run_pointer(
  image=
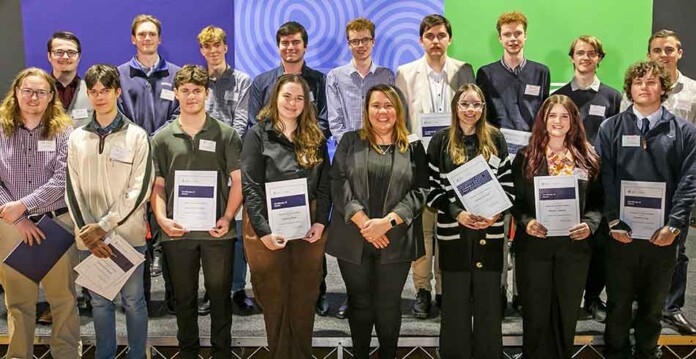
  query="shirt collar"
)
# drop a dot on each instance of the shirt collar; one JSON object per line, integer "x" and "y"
{"x": 433, "y": 74}
{"x": 75, "y": 81}
{"x": 653, "y": 117}
{"x": 594, "y": 86}
{"x": 352, "y": 69}
{"x": 227, "y": 72}
{"x": 177, "y": 130}
{"x": 517, "y": 69}
{"x": 280, "y": 71}
{"x": 115, "y": 124}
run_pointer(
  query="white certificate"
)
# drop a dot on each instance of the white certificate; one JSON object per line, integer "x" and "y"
{"x": 556, "y": 202}
{"x": 643, "y": 207}
{"x": 431, "y": 123}
{"x": 195, "y": 199}
{"x": 515, "y": 140}
{"x": 478, "y": 189}
{"x": 288, "y": 208}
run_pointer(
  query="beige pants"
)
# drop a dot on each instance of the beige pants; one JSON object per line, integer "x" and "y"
{"x": 22, "y": 293}
{"x": 422, "y": 268}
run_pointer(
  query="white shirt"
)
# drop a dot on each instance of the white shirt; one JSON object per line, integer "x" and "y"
{"x": 439, "y": 90}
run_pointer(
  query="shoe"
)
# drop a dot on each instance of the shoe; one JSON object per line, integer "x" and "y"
{"x": 156, "y": 265}
{"x": 342, "y": 312}
{"x": 597, "y": 310}
{"x": 245, "y": 304}
{"x": 679, "y": 322}
{"x": 322, "y": 308}
{"x": 517, "y": 304}
{"x": 204, "y": 307}
{"x": 421, "y": 308}
{"x": 45, "y": 317}
{"x": 170, "y": 307}
{"x": 438, "y": 301}
{"x": 503, "y": 302}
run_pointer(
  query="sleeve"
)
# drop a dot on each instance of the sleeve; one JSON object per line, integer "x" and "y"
{"x": 241, "y": 113}
{"x": 73, "y": 193}
{"x": 504, "y": 173}
{"x": 391, "y": 80}
{"x": 625, "y": 103}
{"x": 321, "y": 107}
{"x": 685, "y": 194}
{"x": 438, "y": 197}
{"x": 5, "y": 195}
{"x": 174, "y": 112}
{"x": 336, "y": 115}
{"x": 346, "y": 204}
{"x": 482, "y": 82}
{"x": 607, "y": 158}
{"x": 233, "y": 150}
{"x": 255, "y": 101}
{"x": 324, "y": 189}
{"x": 412, "y": 204}
{"x": 54, "y": 189}
{"x": 253, "y": 182}
{"x": 593, "y": 203}
{"x": 159, "y": 157}
{"x": 519, "y": 206}
{"x": 546, "y": 83}
{"x": 469, "y": 77}
{"x": 400, "y": 81}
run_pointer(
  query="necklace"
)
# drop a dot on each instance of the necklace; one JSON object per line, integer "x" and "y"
{"x": 383, "y": 151}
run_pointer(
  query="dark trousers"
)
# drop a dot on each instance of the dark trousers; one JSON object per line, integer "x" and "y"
{"x": 184, "y": 259}
{"x": 677, "y": 290}
{"x": 638, "y": 270}
{"x": 551, "y": 274}
{"x": 597, "y": 273}
{"x": 374, "y": 300}
{"x": 467, "y": 295}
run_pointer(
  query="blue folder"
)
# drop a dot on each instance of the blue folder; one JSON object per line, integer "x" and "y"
{"x": 34, "y": 262}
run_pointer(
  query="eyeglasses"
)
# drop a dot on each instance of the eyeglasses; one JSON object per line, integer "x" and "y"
{"x": 477, "y": 106}
{"x": 29, "y": 93}
{"x": 102, "y": 92}
{"x": 358, "y": 42}
{"x": 60, "y": 53}
{"x": 590, "y": 54}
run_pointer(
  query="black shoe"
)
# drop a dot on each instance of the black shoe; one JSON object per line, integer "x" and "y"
{"x": 156, "y": 266}
{"x": 438, "y": 301}
{"x": 679, "y": 322}
{"x": 516, "y": 304}
{"x": 170, "y": 307}
{"x": 421, "y": 308}
{"x": 597, "y": 310}
{"x": 322, "y": 308}
{"x": 245, "y": 304}
{"x": 45, "y": 318}
{"x": 204, "y": 307}
{"x": 503, "y": 302}
{"x": 342, "y": 312}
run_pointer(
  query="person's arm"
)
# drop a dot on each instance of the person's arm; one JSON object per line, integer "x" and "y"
{"x": 607, "y": 159}
{"x": 546, "y": 84}
{"x": 519, "y": 208}
{"x": 334, "y": 106}
{"x": 346, "y": 204}
{"x": 438, "y": 198}
{"x": 234, "y": 198}
{"x": 253, "y": 183}
{"x": 324, "y": 190}
{"x": 74, "y": 198}
{"x": 255, "y": 101}
{"x": 241, "y": 112}
{"x": 593, "y": 203}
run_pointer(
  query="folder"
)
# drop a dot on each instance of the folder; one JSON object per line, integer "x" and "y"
{"x": 34, "y": 262}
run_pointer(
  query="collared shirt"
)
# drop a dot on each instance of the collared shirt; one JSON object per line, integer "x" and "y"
{"x": 345, "y": 95}
{"x": 652, "y": 118}
{"x": 681, "y": 100}
{"x": 103, "y": 131}
{"x": 66, "y": 93}
{"x": 32, "y": 169}
{"x": 574, "y": 85}
{"x": 147, "y": 70}
{"x": 439, "y": 91}
{"x": 228, "y": 100}
{"x": 517, "y": 69}
{"x": 560, "y": 164}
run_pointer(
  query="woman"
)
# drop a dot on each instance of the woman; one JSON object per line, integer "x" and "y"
{"x": 285, "y": 274}
{"x": 471, "y": 246}
{"x": 379, "y": 183}
{"x": 552, "y": 270}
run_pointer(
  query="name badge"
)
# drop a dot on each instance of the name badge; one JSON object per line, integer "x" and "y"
{"x": 412, "y": 138}
{"x": 167, "y": 95}
{"x": 47, "y": 146}
{"x": 120, "y": 154}
{"x": 630, "y": 141}
{"x": 684, "y": 105}
{"x": 532, "y": 90}
{"x": 231, "y": 95}
{"x": 79, "y": 113}
{"x": 311, "y": 96}
{"x": 205, "y": 145}
{"x": 597, "y": 110}
{"x": 580, "y": 173}
{"x": 494, "y": 161}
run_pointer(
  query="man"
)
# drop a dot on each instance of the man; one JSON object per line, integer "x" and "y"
{"x": 515, "y": 87}
{"x": 64, "y": 53}
{"x": 195, "y": 142}
{"x": 645, "y": 143}
{"x": 596, "y": 101}
{"x": 228, "y": 102}
{"x": 34, "y": 132}
{"x": 108, "y": 158}
{"x": 291, "y": 38}
{"x": 347, "y": 85}
{"x": 428, "y": 85}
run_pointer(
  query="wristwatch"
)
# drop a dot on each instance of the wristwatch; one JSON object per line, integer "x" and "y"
{"x": 392, "y": 221}
{"x": 676, "y": 231}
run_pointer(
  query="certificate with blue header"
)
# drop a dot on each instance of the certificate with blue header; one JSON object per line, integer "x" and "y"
{"x": 195, "y": 199}
{"x": 643, "y": 207}
{"x": 431, "y": 123}
{"x": 288, "y": 208}
{"x": 515, "y": 140}
{"x": 556, "y": 202}
{"x": 478, "y": 189}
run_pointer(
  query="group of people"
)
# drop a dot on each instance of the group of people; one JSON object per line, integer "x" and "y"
{"x": 100, "y": 156}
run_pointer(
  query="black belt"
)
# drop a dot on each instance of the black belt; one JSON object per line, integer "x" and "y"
{"x": 51, "y": 214}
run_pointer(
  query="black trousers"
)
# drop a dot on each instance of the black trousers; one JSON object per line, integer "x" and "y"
{"x": 184, "y": 259}
{"x": 470, "y": 295}
{"x": 637, "y": 270}
{"x": 374, "y": 300}
{"x": 677, "y": 290}
{"x": 551, "y": 274}
{"x": 597, "y": 273}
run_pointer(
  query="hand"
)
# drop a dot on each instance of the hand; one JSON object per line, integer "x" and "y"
{"x": 30, "y": 232}
{"x": 375, "y": 228}
{"x": 534, "y": 228}
{"x": 314, "y": 233}
{"x": 91, "y": 233}
{"x": 171, "y": 228}
{"x": 100, "y": 249}
{"x": 274, "y": 242}
{"x": 621, "y": 236}
{"x": 222, "y": 226}
{"x": 662, "y": 237}
{"x": 380, "y": 242}
{"x": 469, "y": 220}
{"x": 580, "y": 231}
{"x": 11, "y": 211}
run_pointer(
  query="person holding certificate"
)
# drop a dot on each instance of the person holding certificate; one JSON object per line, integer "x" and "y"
{"x": 285, "y": 148}
{"x": 379, "y": 182}
{"x": 553, "y": 254}
{"x": 471, "y": 245}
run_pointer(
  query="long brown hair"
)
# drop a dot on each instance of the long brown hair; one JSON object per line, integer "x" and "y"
{"x": 54, "y": 119}
{"x": 307, "y": 137}
{"x": 456, "y": 148}
{"x": 575, "y": 140}
{"x": 400, "y": 134}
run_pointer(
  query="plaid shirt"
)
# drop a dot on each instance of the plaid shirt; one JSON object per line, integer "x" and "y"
{"x": 32, "y": 169}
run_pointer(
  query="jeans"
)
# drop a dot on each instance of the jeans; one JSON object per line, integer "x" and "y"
{"x": 239, "y": 270}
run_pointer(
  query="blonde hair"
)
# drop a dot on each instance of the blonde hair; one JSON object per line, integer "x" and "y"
{"x": 400, "y": 135}
{"x": 211, "y": 34}
{"x": 54, "y": 118}
{"x": 486, "y": 146}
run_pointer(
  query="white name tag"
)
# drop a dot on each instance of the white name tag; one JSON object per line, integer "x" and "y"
{"x": 494, "y": 161}
{"x": 684, "y": 105}
{"x": 630, "y": 141}
{"x": 597, "y": 110}
{"x": 47, "y": 146}
{"x": 231, "y": 95}
{"x": 412, "y": 138}
{"x": 79, "y": 113}
{"x": 167, "y": 95}
{"x": 532, "y": 90}
{"x": 120, "y": 154}
{"x": 205, "y": 145}
{"x": 311, "y": 96}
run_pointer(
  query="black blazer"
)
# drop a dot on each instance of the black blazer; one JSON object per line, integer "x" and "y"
{"x": 523, "y": 209}
{"x": 406, "y": 193}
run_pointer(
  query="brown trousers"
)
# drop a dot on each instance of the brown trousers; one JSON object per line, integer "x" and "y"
{"x": 286, "y": 285}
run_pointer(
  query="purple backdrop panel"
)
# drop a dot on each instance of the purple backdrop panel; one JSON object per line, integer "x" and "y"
{"x": 103, "y": 28}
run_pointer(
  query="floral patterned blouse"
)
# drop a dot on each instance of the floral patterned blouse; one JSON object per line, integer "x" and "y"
{"x": 559, "y": 163}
